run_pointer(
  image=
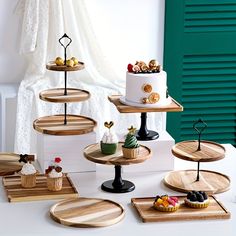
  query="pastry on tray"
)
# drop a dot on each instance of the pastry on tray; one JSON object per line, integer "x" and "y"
{"x": 197, "y": 199}
{"x": 130, "y": 148}
{"x": 109, "y": 140}
{"x": 28, "y": 175}
{"x": 54, "y": 175}
{"x": 166, "y": 203}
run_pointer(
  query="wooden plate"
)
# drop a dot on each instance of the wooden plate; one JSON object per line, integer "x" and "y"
{"x": 52, "y": 66}
{"x": 57, "y": 95}
{"x": 9, "y": 163}
{"x": 93, "y": 153}
{"x": 54, "y": 125}
{"x": 209, "y": 181}
{"x": 144, "y": 207}
{"x": 87, "y": 212}
{"x": 210, "y": 151}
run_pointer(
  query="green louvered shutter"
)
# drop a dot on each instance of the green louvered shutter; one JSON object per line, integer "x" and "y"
{"x": 200, "y": 60}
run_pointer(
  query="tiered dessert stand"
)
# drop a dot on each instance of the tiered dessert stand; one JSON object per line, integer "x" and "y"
{"x": 64, "y": 124}
{"x": 199, "y": 180}
{"x": 143, "y": 133}
{"x": 118, "y": 185}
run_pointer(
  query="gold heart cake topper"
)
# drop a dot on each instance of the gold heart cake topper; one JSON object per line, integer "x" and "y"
{"x": 108, "y": 125}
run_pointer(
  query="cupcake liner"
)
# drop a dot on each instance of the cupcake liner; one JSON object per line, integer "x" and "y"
{"x": 197, "y": 205}
{"x": 54, "y": 184}
{"x": 166, "y": 209}
{"x": 130, "y": 153}
{"x": 28, "y": 181}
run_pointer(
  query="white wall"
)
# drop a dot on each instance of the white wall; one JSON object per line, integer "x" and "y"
{"x": 128, "y": 30}
{"x": 12, "y": 65}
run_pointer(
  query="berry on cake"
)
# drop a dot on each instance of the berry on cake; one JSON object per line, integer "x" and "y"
{"x": 109, "y": 140}
{"x": 131, "y": 147}
{"x": 166, "y": 203}
{"x": 54, "y": 175}
{"x": 197, "y": 199}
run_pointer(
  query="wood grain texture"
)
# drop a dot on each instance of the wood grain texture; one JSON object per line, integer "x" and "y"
{"x": 93, "y": 153}
{"x": 54, "y": 125}
{"x": 9, "y": 163}
{"x": 52, "y": 66}
{"x": 173, "y": 107}
{"x": 209, "y": 181}
{"x": 87, "y": 212}
{"x": 16, "y": 193}
{"x": 187, "y": 150}
{"x": 57, "y": 95}
{"x": 144, "y": 207}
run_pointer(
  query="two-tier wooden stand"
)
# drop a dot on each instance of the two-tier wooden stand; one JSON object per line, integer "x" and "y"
{"x": 118, "y": 185}
{"x": 143, "y": 133}
{"x": 64, "y": 124}
{"x": 199, "y": 180}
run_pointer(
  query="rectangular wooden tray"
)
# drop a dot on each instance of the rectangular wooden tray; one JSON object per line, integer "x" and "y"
{"x": 16, "y": 193}
{"x": 144, "y": 207}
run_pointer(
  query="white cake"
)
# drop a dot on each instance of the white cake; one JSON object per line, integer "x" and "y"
{"x": 146, "y": 89}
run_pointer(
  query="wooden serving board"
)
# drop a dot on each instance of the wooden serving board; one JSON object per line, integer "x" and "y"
{"x": 93, "y": 153}
{"x": 87, "y": 212}
{"x": 57, "y": 95}
{"x": 52, "y": 66}
{"x": 54, "y": 125}
{"x": 144, "y": 207}
{"x": 187, "y": 150}
{"x": 16, "y": 193}
{"x": 122, "y": 108}
{"x": 209, "y": 181}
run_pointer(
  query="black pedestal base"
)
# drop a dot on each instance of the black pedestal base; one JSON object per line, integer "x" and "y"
{"x": 126, "y": 187}
{"x": 151, "y": 135}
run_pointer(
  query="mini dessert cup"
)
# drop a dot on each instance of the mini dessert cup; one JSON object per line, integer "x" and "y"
{"x": 28, "y": 181}
{"x": 130, "y": 153}
{"x": 197, "y": 205}
{"x": 108, "y": 148}
{"x": 54, "y": 184}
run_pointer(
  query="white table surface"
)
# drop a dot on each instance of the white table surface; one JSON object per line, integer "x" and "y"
{"x": 32, "y": 218}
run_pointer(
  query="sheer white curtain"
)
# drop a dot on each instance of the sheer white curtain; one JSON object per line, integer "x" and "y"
{"x": 44, "y": 22}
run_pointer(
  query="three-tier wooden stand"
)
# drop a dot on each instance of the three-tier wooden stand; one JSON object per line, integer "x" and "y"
{"x": 198, "y": 180}
{"x": 64, "y": 124}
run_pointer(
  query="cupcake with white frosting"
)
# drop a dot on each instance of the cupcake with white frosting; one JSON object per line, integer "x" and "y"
{"x": 109, "y": 140}
{"x": 28, "y": 175}
{"x": 54, "y": 175}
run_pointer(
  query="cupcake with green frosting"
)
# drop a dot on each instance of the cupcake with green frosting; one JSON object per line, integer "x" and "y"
{"x": 131, "y": 147}
{"x": 109, "y": 140}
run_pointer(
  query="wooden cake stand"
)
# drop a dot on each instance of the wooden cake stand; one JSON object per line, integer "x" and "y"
{"x": 143, "y": 133}
{"x": 64, "y": 124}
{"x": 199, "y": 180}
{"x": 118, "y": 185}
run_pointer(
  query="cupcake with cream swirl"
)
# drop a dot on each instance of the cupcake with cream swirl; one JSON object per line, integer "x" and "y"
{"x": 109, "y": 140}
{"x": 54, "y": 175}
{"x": 28, "y": 175}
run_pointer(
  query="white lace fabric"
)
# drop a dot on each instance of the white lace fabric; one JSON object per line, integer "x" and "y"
{"x": 44, "y": 22}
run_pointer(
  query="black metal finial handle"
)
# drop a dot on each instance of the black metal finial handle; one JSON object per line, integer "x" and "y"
{"x": 65, "y": 45}
{"x": 199, "y": 130}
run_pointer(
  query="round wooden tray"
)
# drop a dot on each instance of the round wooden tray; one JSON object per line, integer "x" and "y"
{"x": 187, "y": 150}
{"x": 9, "y": 163}
{"x": 52, "y": 66}
{"x": 93, "y": 153}
{"x": 54, "y": 125}
{"x": 57, "y": 95}
{"x": 209, "y": 181}
{"x": 87, "y": 212}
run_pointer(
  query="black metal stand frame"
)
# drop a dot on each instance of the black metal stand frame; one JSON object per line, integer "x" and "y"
{"x": 118, "y": 185}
